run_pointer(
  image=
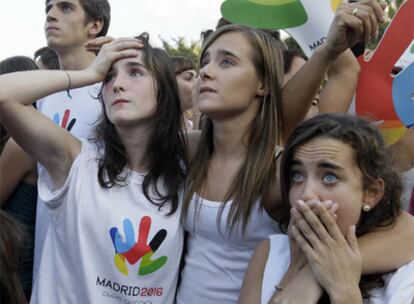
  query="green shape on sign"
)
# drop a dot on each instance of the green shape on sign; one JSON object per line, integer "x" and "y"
{"x": 412, "y": 48}
{"x": 265, "y": 14}
{"x": 272, "y": 2}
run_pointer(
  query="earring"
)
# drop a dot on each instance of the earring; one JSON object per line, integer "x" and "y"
{"x": 366, "y": 207}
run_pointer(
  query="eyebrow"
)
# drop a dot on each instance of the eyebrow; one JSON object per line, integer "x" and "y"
{"x": 49, "y": 6}
{"x": 222, "y": 53}
{"x": 136, "y": 64}
{"x": 130, "y": 64}
{"x": 323, "y": 165}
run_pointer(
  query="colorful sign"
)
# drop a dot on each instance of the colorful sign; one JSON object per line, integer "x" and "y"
{"x": 307, "y": 21}
{"x": 380, "y": 95}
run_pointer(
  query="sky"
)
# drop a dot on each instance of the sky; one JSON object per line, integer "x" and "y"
{"x": 21, "y": 22}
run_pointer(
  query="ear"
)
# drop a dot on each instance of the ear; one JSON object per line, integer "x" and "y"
{"x": 94, "y": 27}
{"x": 374, "y": 193}
{"x": 262, "y": 90}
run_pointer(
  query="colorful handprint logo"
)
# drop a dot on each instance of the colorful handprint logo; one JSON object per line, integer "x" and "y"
{"x": 65, "y": 119}
{"x": 127, "y": 250}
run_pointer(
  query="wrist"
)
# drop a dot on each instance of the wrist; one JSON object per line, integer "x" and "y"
{"x": 92, "y": 76}
{"x": 346, "y": 296}
{"x": 327, "y": 53}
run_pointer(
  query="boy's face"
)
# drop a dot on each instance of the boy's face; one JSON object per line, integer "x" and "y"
{"x": 65, "y": 25}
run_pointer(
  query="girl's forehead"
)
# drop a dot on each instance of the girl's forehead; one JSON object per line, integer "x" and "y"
{"x": 130, "y": 61}
{"x": 326, "y": 149}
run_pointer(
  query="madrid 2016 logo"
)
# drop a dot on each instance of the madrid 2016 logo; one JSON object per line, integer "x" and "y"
{"x": 127, "y": 250}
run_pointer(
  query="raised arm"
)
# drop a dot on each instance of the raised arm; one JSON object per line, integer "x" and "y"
{"x": 346, "y": 30}
{"x": 336, "y": 96}
{"x": 48, "y": 144}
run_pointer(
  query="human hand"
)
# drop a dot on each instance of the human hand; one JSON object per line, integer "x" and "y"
{"x": 335, "y": 261}
{"x": 95, "y": 45}
{"x": 111, "y": 52}
{"x": 354, "y": 22}
{"x": 298, "y": 258}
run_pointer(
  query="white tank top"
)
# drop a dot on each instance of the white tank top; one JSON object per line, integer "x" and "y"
{"x": 215, "y": 262}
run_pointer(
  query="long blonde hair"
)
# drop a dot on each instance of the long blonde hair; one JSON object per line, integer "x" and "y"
{"x": 259, "y": 169}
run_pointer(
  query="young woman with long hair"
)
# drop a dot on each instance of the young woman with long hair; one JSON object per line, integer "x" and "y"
{"x": 338, "y": 158}
{"x": 101, "y": 195}
{"x": 233, "y": 200}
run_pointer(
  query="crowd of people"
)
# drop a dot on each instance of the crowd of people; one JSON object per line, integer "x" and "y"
{"x": 129, "y": 176}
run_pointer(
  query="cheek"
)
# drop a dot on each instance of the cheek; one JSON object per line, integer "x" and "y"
{"x": 293, "y": 194}
{"x": 348, "y": 214}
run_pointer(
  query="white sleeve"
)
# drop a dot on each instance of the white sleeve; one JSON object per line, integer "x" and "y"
{"x": 53, "y": 198}
{"x": 398, "y": 289}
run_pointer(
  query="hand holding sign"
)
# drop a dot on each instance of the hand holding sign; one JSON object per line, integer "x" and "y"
{"x": 307, "y": 21}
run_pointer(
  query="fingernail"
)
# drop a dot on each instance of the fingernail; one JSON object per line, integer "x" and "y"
{"x": 376, "y": 34}
{"x": 294, "y": 212}
{"x": 293, "y": 228}
{"x": 328, "y": 203}
{"x": 301, "y": 204}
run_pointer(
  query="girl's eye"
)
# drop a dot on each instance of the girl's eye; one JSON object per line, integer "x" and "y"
{"x": 227, "y": 62}
{"x": 188, "y": 76}
{"x": 296, "y": 176}
{"x": 136, "y": 73}
{"x": 330, "y": 178}
{"x": 203, "y": 63}
{"x": 109, "y": 78}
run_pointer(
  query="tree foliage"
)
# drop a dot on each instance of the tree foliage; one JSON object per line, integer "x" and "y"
{"x": 392, "y": 8}
{"x": 180, "y": 47}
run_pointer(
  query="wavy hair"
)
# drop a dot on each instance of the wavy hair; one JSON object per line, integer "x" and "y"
{"x": 372, "y": 159}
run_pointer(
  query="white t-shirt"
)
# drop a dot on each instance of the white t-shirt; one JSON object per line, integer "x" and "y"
{"x": 215, "y": 261}
{"x": 77, "y": 115}
{"x": 106, "y": 245}
{"x": 398, "y": 289}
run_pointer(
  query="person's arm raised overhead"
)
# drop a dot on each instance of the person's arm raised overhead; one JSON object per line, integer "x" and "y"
{"x": 353, "y": 22}
{"x": 47, "y": 143}
{"x": 336, "y": 95}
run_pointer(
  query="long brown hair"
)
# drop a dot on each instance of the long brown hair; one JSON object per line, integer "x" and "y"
{"x": 262, "y": 136}
{"x": 167, "y": 146}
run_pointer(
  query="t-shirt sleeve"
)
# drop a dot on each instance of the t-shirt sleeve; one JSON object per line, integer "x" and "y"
{"x": 400, "y": 286}
{"x": 53, "y": 198}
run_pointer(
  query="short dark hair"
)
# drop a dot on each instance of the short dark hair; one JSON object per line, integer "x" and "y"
{"x": 48, "y": 57}
{"x": 17, "y": 64}
{"x": 182, "y": 63}
{"x": 289, "y": 55}
{"x": 96, "y": 10}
